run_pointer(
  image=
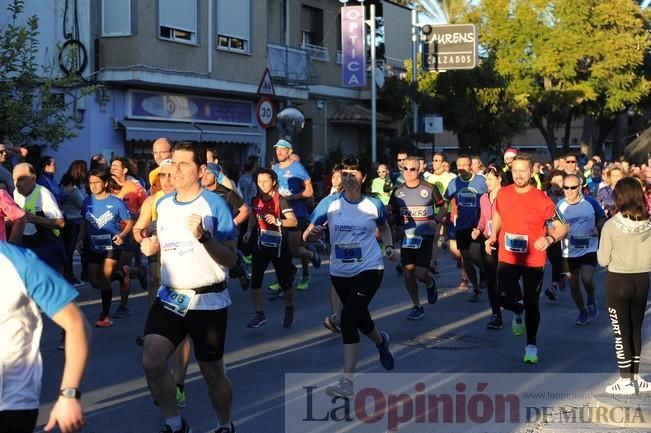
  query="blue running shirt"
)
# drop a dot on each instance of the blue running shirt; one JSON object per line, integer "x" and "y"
{"x": 582, "y": 217}
{"x": 291, "y": 180}
{"x": 103, "y": 220}
{"x": 467, "y": 194}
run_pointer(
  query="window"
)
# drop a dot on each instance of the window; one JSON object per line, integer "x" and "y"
{"x": 311, "y": 26}
{"x": 116, "y": 18}
{"x": 233, "y": 25}
{"x": 178, "y": 20}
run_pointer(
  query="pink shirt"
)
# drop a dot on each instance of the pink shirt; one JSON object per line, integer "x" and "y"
{"x": 486, "y": 215}
{"x": 8, "y": 210}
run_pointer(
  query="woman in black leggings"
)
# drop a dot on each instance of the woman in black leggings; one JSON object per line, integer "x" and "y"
{"x": 356, "y": 263}
{"x": 624, "y": 248}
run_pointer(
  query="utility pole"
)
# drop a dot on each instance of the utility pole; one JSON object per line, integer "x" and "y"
{"x": 415, "y": 33}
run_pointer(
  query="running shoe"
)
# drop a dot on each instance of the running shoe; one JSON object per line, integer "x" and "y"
{"x": 316, "y": 258}
{"x": 417, "y": 312}
{"x": 642, "y": 385}
{"x": 230, "y": 429}
{"x": 583, "y": 318}
{"x": 275, "y": 287}
{"x": 140, "y": 340}
{"x": 185, "y": 428}
{"x": 562, "y": 283}
{"x": 257, "y": 320}
{"x": 432, "y": 293}
{"x": 386, "y": 357}
{"x": 288, "y": 320}
{"x": 623, "y": 386}
{"x": 463, "y": 284}
{"x": 121, "y": 312}
{"x": 517, "y": 325}
{"x": 276, "y": 295}
{"x": 399, "y": 269}
{"x": 331, "y": 323}
{"x": 245, "y": 281}
{"x": 304, "y": 284}
{"x": 530, "y": 354}
{"x": 343, "y": 388}
{"x": 495, "y": 322}
{"x": 103, "y": 322}
{"x": 247, "y": 259}
{"x": 593, "y": 310}
{"x": 474, "y": 296}
{"x": 551, "y": 292}
{"x": 180, "y": 398}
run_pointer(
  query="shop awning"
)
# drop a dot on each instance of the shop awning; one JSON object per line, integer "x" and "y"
{"x": 150, "y": 130}
{"x": 230, "y": 134}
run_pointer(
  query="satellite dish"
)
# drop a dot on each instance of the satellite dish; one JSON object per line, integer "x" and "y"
{"x": 290, "y": 122}
{"x": 379, "y": 77}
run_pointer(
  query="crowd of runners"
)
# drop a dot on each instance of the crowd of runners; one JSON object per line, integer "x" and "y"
{"x": 188, "y": 231}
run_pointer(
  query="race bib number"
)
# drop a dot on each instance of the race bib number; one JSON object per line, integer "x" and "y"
{"x": 270, "y": 238}
{"x": 412, "y": 241}
{"x": 348, "y": 253}
{"x": 467, "y": 199}
{"x": 177, "y": 301}
{"x": 516, "y": 243}
{"x": 580, "y": 242}
{"x": 102, "y": 242}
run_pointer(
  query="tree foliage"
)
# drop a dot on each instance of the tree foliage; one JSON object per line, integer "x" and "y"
{"x": 34, "y": 104}
{"x": 565, "y": 58}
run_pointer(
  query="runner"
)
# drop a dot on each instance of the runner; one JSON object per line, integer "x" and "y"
{"x": 29, "y": 286}
{"x": 560, "y": 269}
{"x": 624, "y": 248}
{"x": 331, "y": 321}
{"x": 524, "y": 234}
{"x": 413, "y": 205}
{"x": 194, "y": 231}
{"x": 494, "y": 179}
{"x": 295, "y": 185}
{"x": 585, "y": 219}
{"x": 466, "y": 189}
{"x": 356, "y": 264}
{"x": 44, "y": 220}
{"x": 268, "y": 238}
{"x": 441, "y": 179}
{"x": 106, "y": 224}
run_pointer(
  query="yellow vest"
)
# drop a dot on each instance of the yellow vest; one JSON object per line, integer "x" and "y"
{"x": 30, "y": 205}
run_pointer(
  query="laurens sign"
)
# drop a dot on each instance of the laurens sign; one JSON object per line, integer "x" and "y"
{"x": 353, "y": 46}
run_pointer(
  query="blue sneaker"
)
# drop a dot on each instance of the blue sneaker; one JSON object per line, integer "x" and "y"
{"x": 583, "y": 318}
{"x": 432, "y": 293}
{"x": 416, "y": 313}
{"x": 386, "y": 357}
{"x": 593, "y": 310}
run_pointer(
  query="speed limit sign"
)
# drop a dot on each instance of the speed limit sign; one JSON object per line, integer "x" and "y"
{"x": 265, "y": 112}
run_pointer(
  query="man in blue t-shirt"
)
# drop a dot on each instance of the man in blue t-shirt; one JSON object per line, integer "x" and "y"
{"x": 295, "y": 185}
{"x": 466, "y": 189}
{"x": 29, "y": 287}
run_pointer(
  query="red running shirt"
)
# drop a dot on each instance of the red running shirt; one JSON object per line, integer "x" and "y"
{"x": 524, "y": 217}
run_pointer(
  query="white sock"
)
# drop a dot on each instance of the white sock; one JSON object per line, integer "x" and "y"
{"x": 175, "y": 422}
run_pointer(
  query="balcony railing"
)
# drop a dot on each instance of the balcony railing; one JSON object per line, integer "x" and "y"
{"x": 317, "y": 52}
{"x": 290, "y": 64}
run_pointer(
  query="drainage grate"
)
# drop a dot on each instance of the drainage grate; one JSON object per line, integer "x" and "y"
{"x": 446, "y": 342}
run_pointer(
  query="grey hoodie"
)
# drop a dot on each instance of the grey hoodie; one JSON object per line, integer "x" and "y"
{"x": 625, "y": 245}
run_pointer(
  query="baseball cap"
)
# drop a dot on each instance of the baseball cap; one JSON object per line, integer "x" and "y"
{"x": 283, "y": 143}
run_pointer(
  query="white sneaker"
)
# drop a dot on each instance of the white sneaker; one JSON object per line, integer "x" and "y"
{"x": 622, "y": 387}
{"x": 643, "y": 385}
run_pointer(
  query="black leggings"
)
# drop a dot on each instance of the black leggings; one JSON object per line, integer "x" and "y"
{"x": 356, "y": 293}
{"x": 18, "y": 421}
{"x": 490, "y": 268}
{"x": 626, "y": 295}
{"x": 261, "y": 256}
{"x": 511, "y": 294}
{"x": 558, "y": 262}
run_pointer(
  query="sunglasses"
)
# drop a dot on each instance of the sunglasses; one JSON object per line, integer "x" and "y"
{"x": 409, "y": 169}
{"x": 570, "y": 187}
{"x": 401, "y": 159}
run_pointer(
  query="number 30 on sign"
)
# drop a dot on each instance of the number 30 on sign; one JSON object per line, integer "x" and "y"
{"x": 265, "y": 112}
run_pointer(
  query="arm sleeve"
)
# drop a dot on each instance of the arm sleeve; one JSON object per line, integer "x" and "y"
{"x": 9, "y": 207}
{"x": 381, "y": 216}
{"x": 48, "y": 289}
{"x": 222, "y": 227}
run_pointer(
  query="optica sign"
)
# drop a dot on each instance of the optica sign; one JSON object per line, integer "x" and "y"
{"x": 353, "y": 46}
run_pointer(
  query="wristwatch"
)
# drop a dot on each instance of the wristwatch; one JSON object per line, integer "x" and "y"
{"x": 70, "y": 393}
{"x": 206, "y": 236}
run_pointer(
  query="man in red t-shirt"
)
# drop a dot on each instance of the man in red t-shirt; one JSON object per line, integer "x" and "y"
{"x": 526, "y": 223}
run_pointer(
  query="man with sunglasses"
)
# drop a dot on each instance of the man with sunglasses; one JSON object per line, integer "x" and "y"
{"x": 585, "y": 218}
{"x": 396, "y": 175}
{"x": 572, "y": 164}
{"x": 413, "y": 205}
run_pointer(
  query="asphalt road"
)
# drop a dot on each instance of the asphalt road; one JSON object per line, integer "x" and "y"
{"x": 451, "y": 339}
